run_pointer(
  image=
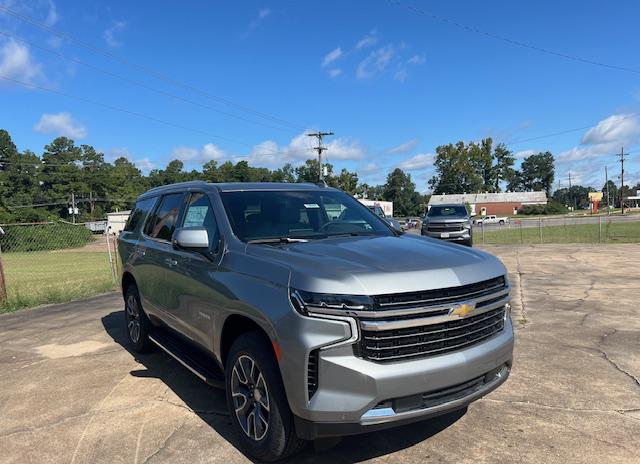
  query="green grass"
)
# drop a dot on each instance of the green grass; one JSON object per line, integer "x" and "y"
{"x": 45, "y": 277}
{"x": 616, "y": 232}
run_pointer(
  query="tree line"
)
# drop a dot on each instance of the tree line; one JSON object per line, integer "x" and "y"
{"x": 483, "y": 167}
{"x": 39, "y": 187}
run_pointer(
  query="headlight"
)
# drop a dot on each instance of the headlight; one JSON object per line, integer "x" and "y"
{"x": 325, "y": 303}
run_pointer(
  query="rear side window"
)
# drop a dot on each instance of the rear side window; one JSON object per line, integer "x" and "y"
{"x": 139, "y": 212}
{"x": 162, "y": 222}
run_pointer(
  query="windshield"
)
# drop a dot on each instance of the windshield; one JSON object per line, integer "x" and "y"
{"x": 443, "y": 211}
{"x": 257, "y": 215}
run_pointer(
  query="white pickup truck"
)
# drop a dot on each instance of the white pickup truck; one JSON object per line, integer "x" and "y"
{"x": 491, "y": 219}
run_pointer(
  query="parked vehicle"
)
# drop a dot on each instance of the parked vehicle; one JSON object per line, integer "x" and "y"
{"x": 448, "y": 222}
{"x": 316, "y": 325}
{"x": 376, "y": 209}
{"x": 491, "y": 219}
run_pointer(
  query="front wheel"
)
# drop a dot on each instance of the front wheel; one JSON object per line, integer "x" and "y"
{"x": 257, "y": 402}
{"x": 137, "y": 322}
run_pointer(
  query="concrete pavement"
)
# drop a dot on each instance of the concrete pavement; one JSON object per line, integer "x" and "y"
{"x": 71, "y": 392}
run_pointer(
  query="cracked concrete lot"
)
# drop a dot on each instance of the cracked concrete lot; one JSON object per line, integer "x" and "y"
{"x": 70, "y": 392}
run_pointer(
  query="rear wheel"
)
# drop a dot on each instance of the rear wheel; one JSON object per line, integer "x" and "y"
{"x": 137, "y": 322}
{"x": 257, "y": 402}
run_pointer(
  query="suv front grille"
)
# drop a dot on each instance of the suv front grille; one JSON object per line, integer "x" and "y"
{"x": 418, "y": 324}
{"x": 453, "y": 227}
{"x": 433, "y": 339}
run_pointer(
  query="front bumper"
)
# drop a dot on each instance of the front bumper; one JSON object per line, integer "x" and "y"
{"x": 386, "y": 417}
{"x": 454, "y": 236}
{"x": 356, "y": 395}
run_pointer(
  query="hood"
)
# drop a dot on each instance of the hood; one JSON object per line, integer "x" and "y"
{"x": 379, "y": 265}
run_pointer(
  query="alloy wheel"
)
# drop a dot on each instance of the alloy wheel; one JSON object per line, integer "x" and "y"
{"x": 250, "y": 397}
{"x": 133, "y": 318}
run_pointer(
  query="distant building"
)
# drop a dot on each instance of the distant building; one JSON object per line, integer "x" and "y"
{"x": 116, "y": 221}
{"x": 506, "y": 203}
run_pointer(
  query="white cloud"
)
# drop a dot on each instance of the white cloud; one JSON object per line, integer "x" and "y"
{"x": 403, "y": 68}
{"x": 524, "y": 153}
{"x": 616, "y": 128}
{"x": 145, "y": 164}
{"x": 344, "y": 149}
{"x": 583, "y": 152}
{"x": 404, "y": 147}
{"x": 369, "y": 168}
{"x": 262, "y": 15}
{"x": 368, "y": 40}
{"x": 17, "y": 63}
{"x": 110, "y": 34}
{"x": 376, "y": 62}
{"x": 208, "y": 152}
{"x": 605, "y": 138}
{"x": 332, "y": 56}
{"x": 269, "y": 153}
{"x": 401, "y": 74}
{"x": 52, "y": 15}
{"x": 335, "y": 72}
{"x": 418, "y": 162}
{"x": 60, "y": 124}
{"x": 416, "y": 59}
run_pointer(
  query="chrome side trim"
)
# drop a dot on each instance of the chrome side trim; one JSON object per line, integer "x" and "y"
{"x": 422, "y": 321}
{"x": 170, "y": 353}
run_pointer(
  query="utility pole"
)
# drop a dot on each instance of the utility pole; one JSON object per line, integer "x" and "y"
{"x": 622, "y": 179}
{"x": 319, "y": 135}
{"x": 606, "y": 183}
{"x": 73, "y": 206}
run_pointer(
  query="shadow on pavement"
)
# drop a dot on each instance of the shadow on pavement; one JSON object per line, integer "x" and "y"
{"x": 210, "y": 405}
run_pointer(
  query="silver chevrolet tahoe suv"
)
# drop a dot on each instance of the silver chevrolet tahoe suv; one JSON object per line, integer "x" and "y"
{"x": 448, "y": 222}
{"x": 316, "y": 317}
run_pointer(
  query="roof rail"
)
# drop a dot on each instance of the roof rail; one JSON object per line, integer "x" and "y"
{"x": 177, "y": 184}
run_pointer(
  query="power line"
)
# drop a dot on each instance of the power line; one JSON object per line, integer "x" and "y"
{"x": 145, "y": 69}
{"x": 126, "y": 111}
{"x": 139, "y": 84}
{"x": 513, "y": 42}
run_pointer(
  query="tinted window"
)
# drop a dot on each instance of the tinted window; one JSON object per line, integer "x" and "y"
{"x": 199, "y": 213}
{"x": 139, "y": 212}
{"x": 299, "y": 214}
{"x": 163, "y": 222}
{"x": 437, "y": 211}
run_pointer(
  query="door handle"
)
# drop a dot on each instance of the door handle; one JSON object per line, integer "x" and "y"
{"x": 170, "y": 262}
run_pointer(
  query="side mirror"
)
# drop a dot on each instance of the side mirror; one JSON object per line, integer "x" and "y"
{"x": 191, "y": 238}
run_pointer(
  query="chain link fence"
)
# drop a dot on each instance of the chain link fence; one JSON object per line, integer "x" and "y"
{"x": 589, "y": 229}
{"x": 52, "y": 262}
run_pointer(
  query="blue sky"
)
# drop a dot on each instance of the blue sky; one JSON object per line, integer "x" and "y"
{"x": 207, "y": 79}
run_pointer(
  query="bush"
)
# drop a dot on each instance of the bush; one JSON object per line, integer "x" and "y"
{"x": 553, "y": 207}
{"x": 44, "y": 237}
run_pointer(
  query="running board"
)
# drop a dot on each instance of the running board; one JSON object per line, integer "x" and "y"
{"x": 190, "y": 359}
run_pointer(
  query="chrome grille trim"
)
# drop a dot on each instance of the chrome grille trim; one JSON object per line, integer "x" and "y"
{"x": 414, "y": 328}
{"x": 377, "y": 325}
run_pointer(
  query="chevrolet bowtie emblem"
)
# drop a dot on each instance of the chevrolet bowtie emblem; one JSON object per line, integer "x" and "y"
{"x": 462, "y": 310}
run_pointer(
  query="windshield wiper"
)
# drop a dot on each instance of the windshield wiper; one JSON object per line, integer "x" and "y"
{"x": 278, "y": 240}
{"x": 352, "y": 234}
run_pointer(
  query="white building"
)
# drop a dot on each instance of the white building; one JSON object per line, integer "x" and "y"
{"x": 116, "y": 221}
{"x": 506, "y": 203}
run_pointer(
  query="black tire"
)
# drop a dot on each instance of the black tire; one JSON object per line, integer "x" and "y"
{"x": 135, "y": 316}
{"x": 501, "y": 223}
{"x": 279, "y": 440}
